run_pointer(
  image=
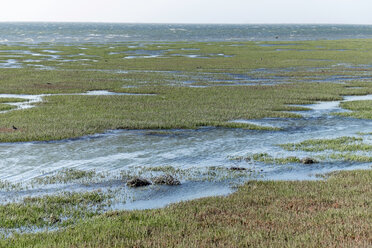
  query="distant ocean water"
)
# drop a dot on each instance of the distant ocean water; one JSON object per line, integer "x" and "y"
{"x": 107, "y": 33}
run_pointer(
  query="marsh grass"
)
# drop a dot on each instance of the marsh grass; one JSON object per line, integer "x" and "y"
{"x": 8, "y": 186}
{"x": 352, "y": 149}
{"x": 12, "y": 99}
{"x": 4, "y": 107}
{"x": 266, "y": 158}
{"x": 245, "y": 126}
{"x": 68, "y": 175}
{"x": 336, "y": 212}
{"x": 331, "y": 213}
{"x": 191, "y": 174}
{"x": 62, "y": 117}
{"x": 65, "y": 207}
{"x": 352, "y": 157}
{"x": 176, "y": 105}
{"x": 341, "y": 144}
{"x": 360, "y": 109}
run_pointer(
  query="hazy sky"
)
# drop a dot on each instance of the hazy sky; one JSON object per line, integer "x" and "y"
{"x": 189, "y": 11}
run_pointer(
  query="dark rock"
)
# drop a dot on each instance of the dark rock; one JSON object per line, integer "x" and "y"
{"x": 137, "y": 182}
{"x": 308, "y": 161}
{"x": 237, "y": 168}
{"x": 167, "y": 180}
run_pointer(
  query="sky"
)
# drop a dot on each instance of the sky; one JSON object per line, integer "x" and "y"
{"x": 188, "y": 11}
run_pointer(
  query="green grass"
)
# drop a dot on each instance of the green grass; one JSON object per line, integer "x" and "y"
{"x": 176, "y": 105}
{"x": 351, "y": 157}
{"x": 341, "y": 144}
{"x": 244, "y": 126}
{"x": 266, "y": 158}
{"x": 246, "y": 56}
{"x": 61, "y": 117}
{"x": 219, "y": 174}
{"x": 67, "y": 208}
{"x": 360, "y": 109}
{"x": 12, "y": 99}
{"x": 4, "y": 107}
{"x": 330, "y": 157}
{"x": 67, "y": 176}
{"x": 332, "y": 213}
{"x": 7, "y": 186}
{"x": 352, "y": 149}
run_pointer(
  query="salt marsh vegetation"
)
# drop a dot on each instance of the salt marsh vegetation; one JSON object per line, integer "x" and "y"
{"x": 213, "y": 116}
{"x": 335, "y": 212}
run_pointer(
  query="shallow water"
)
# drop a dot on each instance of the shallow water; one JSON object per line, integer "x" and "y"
{"x": 261, "y": 76}
{"x": 116, "y": 151}
{"x": 207, "y": 79}
{"x": 10, "y": 63}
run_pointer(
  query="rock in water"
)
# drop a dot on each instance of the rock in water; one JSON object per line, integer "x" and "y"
{"x": 234, "y": 168}
{"x": 138, "y": 182}
{"x": 167, "y": 180}
{"x": 308, "y": 161}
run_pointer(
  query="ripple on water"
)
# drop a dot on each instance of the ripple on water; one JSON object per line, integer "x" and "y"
{"x": 134, "y": 150}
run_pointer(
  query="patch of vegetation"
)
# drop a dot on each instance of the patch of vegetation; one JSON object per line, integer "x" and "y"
{"x": 61, "y": 210}
{"x": 340, "y": 144}
{"x": 266, "y": 158}
{"x": 12, "y": 99}
{"x": 360, "y": 109}
{"x": 209, "y": 174}
{"x": 352, "y": 157}
{"x": 245, "y": 126}
{"x": 165, "y": 169}
{"x": 68, "y": 175}
{"x": 236, "y": 87}
{"x": 332, "y": 213}
{"x": 61, "y": 117}
{"x": 351, "y": 149}
{"x": 4, "y": 107}
{"x": 7, "y": 186}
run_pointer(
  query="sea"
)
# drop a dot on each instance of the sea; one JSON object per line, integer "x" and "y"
{"x": 36, "y": 33}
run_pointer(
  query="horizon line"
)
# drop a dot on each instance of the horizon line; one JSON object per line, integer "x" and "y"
{"x": 189, "y": 23}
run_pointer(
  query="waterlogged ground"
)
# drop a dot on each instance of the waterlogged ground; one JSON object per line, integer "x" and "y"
{"x": 79, "y": 121}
